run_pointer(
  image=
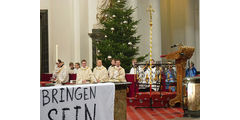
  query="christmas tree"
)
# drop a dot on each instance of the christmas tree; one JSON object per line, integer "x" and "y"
{"x": 120, "y": 41}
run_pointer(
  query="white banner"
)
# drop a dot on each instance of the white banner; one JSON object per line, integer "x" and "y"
{"x": 78, "y": 102}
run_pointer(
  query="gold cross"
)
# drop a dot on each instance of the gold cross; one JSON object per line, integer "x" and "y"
{"x": 150, "y": 10}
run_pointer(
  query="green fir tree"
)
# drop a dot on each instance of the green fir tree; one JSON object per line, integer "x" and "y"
{"x": 120, "y": 41}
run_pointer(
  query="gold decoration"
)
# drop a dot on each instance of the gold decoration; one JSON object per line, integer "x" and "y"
{"x": 156, "y": 77}
{"x": 150, "y": 10}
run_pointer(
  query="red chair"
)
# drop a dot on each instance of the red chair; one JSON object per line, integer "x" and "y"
{"x": 133, "y": 88}
{"x": 72, "y": 76}
{"x": 46, "y": 76}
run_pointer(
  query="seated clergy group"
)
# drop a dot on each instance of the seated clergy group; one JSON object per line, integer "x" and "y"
{"x": 115, "y": 72}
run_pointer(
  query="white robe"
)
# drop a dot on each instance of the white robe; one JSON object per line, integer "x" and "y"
{"x": 61, "y": 75}
{"x": 85, "y": 74}
{"x": 100, "y": 73}
{"x": 75, "y": 71}
{"x": 134, "y": 70}
{"x": 117, "y": 74}
{"x": 70, "y": 71}
{"x": 110, "y": 69}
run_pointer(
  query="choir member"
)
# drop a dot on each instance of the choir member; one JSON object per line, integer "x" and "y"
{"x": 134, "y": 67}
{"x": 71, "y": 68}
{"x": 191, "y": 71}
{"x": 117, "y": 74}
{"x": 100, "y": 72}
{"x": 77, "y": 66}
{"x": 85, "y": 74}
{"x": 170, "y": 78}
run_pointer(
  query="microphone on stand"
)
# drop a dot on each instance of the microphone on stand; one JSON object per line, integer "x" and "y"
{"x": 176, "y": 45}
{"x": 173, "y": 46}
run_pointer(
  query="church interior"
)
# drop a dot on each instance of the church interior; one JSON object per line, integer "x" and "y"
{"x": 146, "y": 51}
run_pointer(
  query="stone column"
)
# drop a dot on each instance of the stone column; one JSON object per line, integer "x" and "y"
{"x": 76, "y": 21}
{"x": 96, "y": 35}
{"x": 189, "y": 26}
{"x": 192, "y": 28}
{"x": 157, "y": 46}
{"x": 197, "y": 36}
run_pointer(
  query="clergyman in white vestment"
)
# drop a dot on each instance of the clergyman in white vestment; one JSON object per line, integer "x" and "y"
{"x": 117, "y": 74}
{"x": 100, "y": 72}
{"x": 85, "y": 74}
{"x": 60, "y": 73}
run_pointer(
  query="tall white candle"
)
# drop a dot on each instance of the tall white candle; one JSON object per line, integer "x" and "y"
{"x": 56, "y": 53}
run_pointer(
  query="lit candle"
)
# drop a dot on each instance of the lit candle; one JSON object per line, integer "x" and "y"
{"x": 56, "y": 53}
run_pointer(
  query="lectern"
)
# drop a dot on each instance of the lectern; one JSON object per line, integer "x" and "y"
{"x": 181, "y": 56}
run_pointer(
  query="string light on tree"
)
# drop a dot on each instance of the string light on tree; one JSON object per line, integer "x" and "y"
{"x": 105, "y": 36}
{"x": 118, "y": 1}
{"x": 129, "y": 43}
{"x": 112, "y": 29}
{"x": 125, "y": 21}
{"x": 114, "y": 16}
{"x": 109, "y": 57}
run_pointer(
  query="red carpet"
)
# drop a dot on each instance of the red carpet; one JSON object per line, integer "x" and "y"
{"x": 153, "y": 114}
{"x": 143, "y": 99}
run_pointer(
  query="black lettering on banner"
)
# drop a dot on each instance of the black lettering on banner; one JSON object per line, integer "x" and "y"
{"x": 70, "y": 94}
{"x": 77, "y": 107}
{"x": 87, "y": 113}
{"x": 92, "y": 93}
{"x": 45, "y": 96}
{"x": 49, "y": 113}
{"x": 80, "y": 94}
{"x": 85, "y": 95}
{"x": 62, "y": 89}
{"x": 53, "y": 95}
{"x": 94, "y": 114}
{"x": 63, "y": 112}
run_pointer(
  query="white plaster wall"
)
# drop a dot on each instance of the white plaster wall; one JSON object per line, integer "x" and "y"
{"x": 84, "y": 45}
{"x": 44, "y": 4}
{"x": 61, "y": 30}
{"x": 180, "y": 22}
{"x": 156, "y": 41}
